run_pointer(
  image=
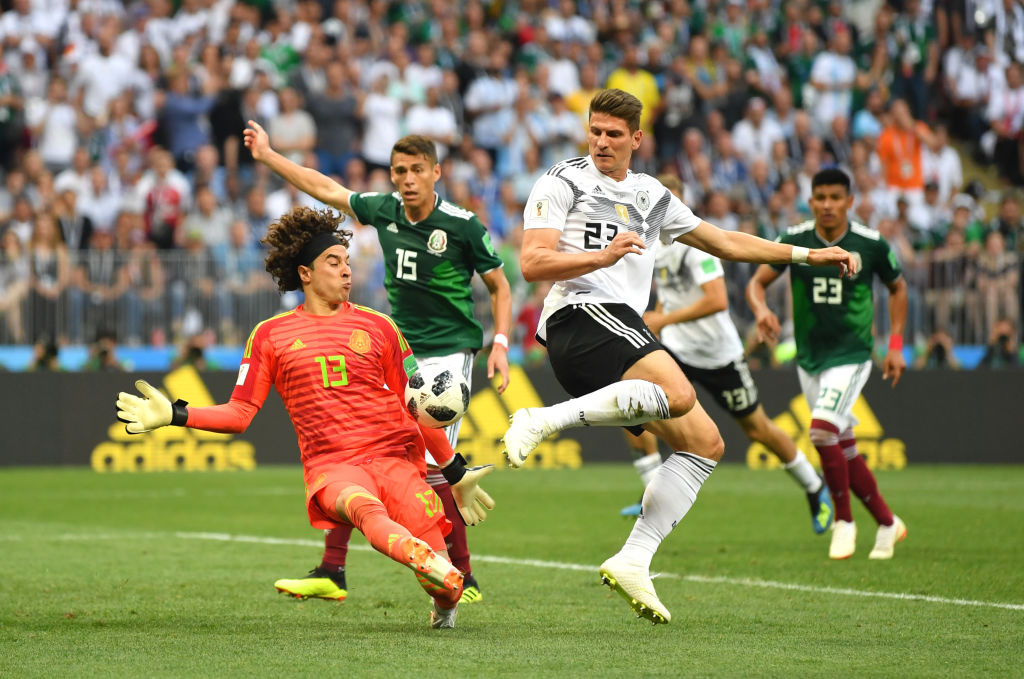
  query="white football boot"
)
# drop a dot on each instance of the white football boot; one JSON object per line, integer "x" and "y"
{"x": 887, "y": 537}
{"x": 844, "y": 540}
{"x": 633, "y": 582}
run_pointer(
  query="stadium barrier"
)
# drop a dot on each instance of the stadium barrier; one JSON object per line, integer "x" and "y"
{"x": 68, "y": 419}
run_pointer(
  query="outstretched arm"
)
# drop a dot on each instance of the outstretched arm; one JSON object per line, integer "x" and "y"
{"x": 715, "y": 299}
{"x": 306, "y": 179}
{"x": 743, "y": 247}
{"x": 539, "y": 259}
{"x": 154, "y": 410}
{"x": 501, "y": 313}
{"x": 767, "y": 322}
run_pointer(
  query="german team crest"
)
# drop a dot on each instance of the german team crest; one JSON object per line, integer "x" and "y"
{"x": 643, "y": 201}
{"x": 438, "y": 241}
{"x": 359, "y": 341}
{"x": 623, "y": 212}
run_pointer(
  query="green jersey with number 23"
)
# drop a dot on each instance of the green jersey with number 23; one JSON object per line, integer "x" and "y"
{"x": 429, "y": 267}
{"x": 833, "y": 316}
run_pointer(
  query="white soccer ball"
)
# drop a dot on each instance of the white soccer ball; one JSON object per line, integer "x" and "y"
{"x": 436, "y": 396}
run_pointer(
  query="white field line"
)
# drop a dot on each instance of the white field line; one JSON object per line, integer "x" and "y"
{"x": 704, "y": 579}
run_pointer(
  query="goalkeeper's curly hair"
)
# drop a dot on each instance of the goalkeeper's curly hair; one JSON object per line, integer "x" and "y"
{"x": 289, "y": 234}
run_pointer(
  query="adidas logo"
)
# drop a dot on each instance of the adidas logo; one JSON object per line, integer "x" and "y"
{"x": 597, "y": 191}
{"x": 297, "y": 344}
{"x": 879, "y": 452}
{"x": 486, "y": 420}
{"x": 392, "y": 227}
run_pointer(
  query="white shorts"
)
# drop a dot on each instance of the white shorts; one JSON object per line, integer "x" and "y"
{"x": 832, "y": 392}
{"x": 460, "y": 362}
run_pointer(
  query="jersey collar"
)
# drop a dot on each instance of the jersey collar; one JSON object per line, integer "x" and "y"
{"x": 437, "y": 202}
{"x": 841, "y": 236}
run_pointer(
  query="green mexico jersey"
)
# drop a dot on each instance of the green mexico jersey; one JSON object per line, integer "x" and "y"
{"x": 429, "y": 267}
{"x": 833, "y": 316}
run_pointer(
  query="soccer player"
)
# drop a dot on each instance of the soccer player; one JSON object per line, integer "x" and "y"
{"x": 341, "y": 370}
{"x": 832, "y": 320}
{"x": 431, "y": 250}
{"x": 692, "y": 322}
{"x": 590, "y": 226}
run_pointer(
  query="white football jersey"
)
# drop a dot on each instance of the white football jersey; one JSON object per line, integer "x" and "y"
{"x": 590, "y": 208}
{"x": 709, "y": 342}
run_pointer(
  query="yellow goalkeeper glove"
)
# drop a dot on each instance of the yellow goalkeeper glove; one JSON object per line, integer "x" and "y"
{"x": 472, "y": 500}
{"x": 151, "y": 412}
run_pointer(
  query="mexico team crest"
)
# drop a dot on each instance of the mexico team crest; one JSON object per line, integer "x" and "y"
{"x": 437, "y": 242}
{"x": 359, "y": 341}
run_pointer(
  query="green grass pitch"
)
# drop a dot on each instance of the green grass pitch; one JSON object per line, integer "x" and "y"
{"x": 170, "y": 575}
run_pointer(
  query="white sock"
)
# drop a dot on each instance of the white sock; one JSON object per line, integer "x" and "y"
{"x": 647, "y": 467}
{"x": 803, "y": 473}
{"x": 667, "y": 499}
{"x": 619, "y": 404}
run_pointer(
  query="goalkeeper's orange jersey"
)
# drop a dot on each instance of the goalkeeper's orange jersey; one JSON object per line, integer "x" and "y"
{"x": 341, "y": 377}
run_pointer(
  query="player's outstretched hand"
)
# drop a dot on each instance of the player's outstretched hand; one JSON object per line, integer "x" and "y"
{"x": 846, "y": 262}
{"x": 894, "y": 366}
{"x": 144, "y": 414}
{"x": 256, "y": 140}
{"x": 624, "y": 243}
{"x": 472, "y": 500}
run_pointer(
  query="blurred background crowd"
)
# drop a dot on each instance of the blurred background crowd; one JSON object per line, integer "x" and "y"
{"x": 130, "y": 212}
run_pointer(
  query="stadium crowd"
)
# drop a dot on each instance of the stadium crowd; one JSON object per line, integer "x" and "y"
{"x": 130, "y": 210}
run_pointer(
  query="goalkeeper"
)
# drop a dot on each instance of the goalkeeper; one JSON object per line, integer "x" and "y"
{"x": 341, "y": 370}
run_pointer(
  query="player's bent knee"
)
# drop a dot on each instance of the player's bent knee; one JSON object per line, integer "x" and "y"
{"x": 823, "y": 437}
{"x": 681, "y": 398}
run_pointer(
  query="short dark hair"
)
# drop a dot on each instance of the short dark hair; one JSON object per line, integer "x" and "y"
{"x": 416, "y": 145}
{"x": 618, "y": 104}
{"x": 831, "y": 176}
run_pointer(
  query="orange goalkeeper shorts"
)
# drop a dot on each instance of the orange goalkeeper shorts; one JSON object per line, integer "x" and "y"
{"x": 393, "y": 480}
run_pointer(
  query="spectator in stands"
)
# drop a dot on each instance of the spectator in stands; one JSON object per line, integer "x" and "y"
{"x": 50, "y": 274}
{"x": 22, "y": 218}
{"x": 292, "y": 129}
{"x": 14, "y": 285}
{"x": 98, "y": 285}
{"x": 833, "y": 75}
{"x": 755, "y": 135}
{"x": 382, "y": 118}
{"x": 55, "y": 125}
{"x": 104, "y": 73}
{"x": 183, "y": 115}
{"x": 101, "y": 202}
{"x": 639, "y": 82}
{"x": 489, "y": 101}
{"x": 433, "y": 120}
{"x": 998, "y": 279}
{"x": 938, "y": 353}
{"x": 208, "y": 217}
{"x": 192, "y": 283}
{"x": 940, "y": 163}
{"x": 103, "y": 353}
{"x": 1002, "y": 350}
{"x": 76, "y": 228}
{"x": 918, "y": 57}
{"x": 900, "y": 148}
{"x": 166, "y": 195}
{"x": 245, "y": 293}
{"x": 143, "y": 276}
{"x": 334, "y": 112}
{"x": 1005, "y": 116}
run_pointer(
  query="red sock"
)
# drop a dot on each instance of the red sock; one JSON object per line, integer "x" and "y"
{"x": 336, "y": 548}
{"x": 864, "y": 486}
{"x": 367, "y": 513}
{"x": 833, "y": 464}
{"x": 455, "y": 542}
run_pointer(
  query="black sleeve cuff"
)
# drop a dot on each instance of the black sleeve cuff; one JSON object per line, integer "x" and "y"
{"x": 179, "y": 413}
{"x": 455, "y": 470}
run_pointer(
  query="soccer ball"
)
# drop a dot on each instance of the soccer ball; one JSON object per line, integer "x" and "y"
{"x": 436, "y": 396}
